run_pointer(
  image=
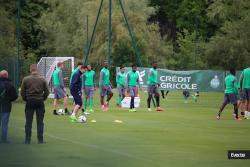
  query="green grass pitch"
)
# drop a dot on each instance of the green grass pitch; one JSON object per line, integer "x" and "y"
{"x": 182, "y": 135}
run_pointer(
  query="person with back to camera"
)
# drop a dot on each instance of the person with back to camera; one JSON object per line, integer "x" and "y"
{"x": 34, "y": 91}
{"x": 7, "y": 95}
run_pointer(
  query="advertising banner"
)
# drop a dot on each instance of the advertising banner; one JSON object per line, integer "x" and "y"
{"x": 195, "y": 80}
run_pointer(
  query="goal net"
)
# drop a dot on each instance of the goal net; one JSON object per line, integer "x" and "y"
{"x": 47, "y": 65}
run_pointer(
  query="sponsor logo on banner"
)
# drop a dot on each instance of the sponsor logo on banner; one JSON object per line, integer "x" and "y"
{"x": 215, "y": 82}
{"x": 141, "y": 75}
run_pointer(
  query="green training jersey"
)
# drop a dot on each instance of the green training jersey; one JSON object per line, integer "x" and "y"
{"x": 133, "y": 78}
{"x": 104, "y": 77}
{"x": 231, "y": 84}
{"x": 56, "y": 79}
{"x": 237, "y": 88}
{"x": 246, "y": 78}
{"x": 238, "y": 85}
{"x": 152, "y": 77}
{"x": 121, "y": 79}
{"x": 73, "y": 72}
{"x": 89, "y": 78}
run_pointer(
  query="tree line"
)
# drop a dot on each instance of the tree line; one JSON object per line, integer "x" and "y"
{"x": 179, "y": 34}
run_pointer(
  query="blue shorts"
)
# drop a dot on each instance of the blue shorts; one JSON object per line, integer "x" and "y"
{"x": 121, "y": 90}
{"x": 246, "y": 94}
{"x": 77, "y": 97}
{"x": 230, "y": 98}
{"x": 132, "y": 91}
{"x": 153, "y": 89}
{"x": 105, "y": 90}
{"x": 89, "y": 91}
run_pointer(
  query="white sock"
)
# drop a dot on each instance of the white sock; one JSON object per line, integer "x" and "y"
{"x": 73, "y": 114}
{"x": 248, "y": 114}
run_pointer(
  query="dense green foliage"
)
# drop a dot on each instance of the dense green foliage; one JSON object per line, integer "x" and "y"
{"x": 7, "y": 30}
{"x": 231, "y": 43}
{"x": 180, "y": 34}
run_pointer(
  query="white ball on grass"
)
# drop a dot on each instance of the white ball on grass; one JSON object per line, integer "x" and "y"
{"x": 82, "y": 119}
{"x": 61, "y": 112}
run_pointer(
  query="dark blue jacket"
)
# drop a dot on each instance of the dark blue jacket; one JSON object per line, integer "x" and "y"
{"x": 76, "y": 82}
{"x": 7, "y": 95}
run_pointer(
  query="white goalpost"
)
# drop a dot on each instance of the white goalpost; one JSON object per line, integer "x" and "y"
{"x": 47, "y": 65}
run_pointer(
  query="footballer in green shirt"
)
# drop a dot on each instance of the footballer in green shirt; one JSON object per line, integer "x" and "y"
{"x": 105, "y": 86}
{"x": 153, "y": 85}
{"x": 132, "y": 82}
{"x": 230, "y": 94}
{"x": 245, "y": 89}
{"x": 121, "y": 85}
{"x": 89, "y": 87}
{"x": 59, "y": 88}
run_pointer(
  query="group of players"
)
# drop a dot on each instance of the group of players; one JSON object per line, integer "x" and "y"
{"x": 82, "y": 80}
{"x": 237, "y": 93}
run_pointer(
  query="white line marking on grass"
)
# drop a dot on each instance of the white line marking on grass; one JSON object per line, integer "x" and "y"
{"x": 97, "y": 147}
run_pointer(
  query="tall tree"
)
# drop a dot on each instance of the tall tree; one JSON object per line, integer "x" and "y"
{"x": 230, "y": 47}
{"x": 32, "y": 35}
{"x": 66, "y": 30}
{"x": 7, "y": 30}
{"x": 176, "y": 16}
{"x": 191, "y": 52}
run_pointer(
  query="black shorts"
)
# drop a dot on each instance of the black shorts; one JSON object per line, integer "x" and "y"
{"x": 230, "y": 98}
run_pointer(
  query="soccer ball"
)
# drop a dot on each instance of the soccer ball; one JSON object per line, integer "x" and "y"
{"x": 82, "y": 119}
{"x": 61, "y": 112}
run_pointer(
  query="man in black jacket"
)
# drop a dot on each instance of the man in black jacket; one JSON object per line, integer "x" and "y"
{"x": 7, "y": 95}
{"x": 34, "y": 91}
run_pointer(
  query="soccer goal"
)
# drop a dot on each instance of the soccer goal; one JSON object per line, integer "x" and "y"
{"x": 47, "y": 65}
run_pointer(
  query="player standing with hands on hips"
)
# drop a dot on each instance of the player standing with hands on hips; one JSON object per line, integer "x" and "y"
{"x": 153, "y": 85}
{"x": 132, "y": 82}
{"x": 105, "y": 86}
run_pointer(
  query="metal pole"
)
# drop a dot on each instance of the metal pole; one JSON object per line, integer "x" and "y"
{"x": 196, "y": 41}
{"x": 93, "y": 33}
{"x": 103, "y": 41}
{"x": 87, "y": 35}
{"x": 131, "y": 35}
{"x": 109, "y": 30}
{"x": 45, "y": 65}
{"x": 17, "y": 44}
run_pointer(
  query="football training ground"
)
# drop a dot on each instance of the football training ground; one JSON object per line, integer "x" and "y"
{"x": 184, "y": 135}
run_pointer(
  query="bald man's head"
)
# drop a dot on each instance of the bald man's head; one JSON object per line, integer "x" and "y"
{"x": 3, "y": 74}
